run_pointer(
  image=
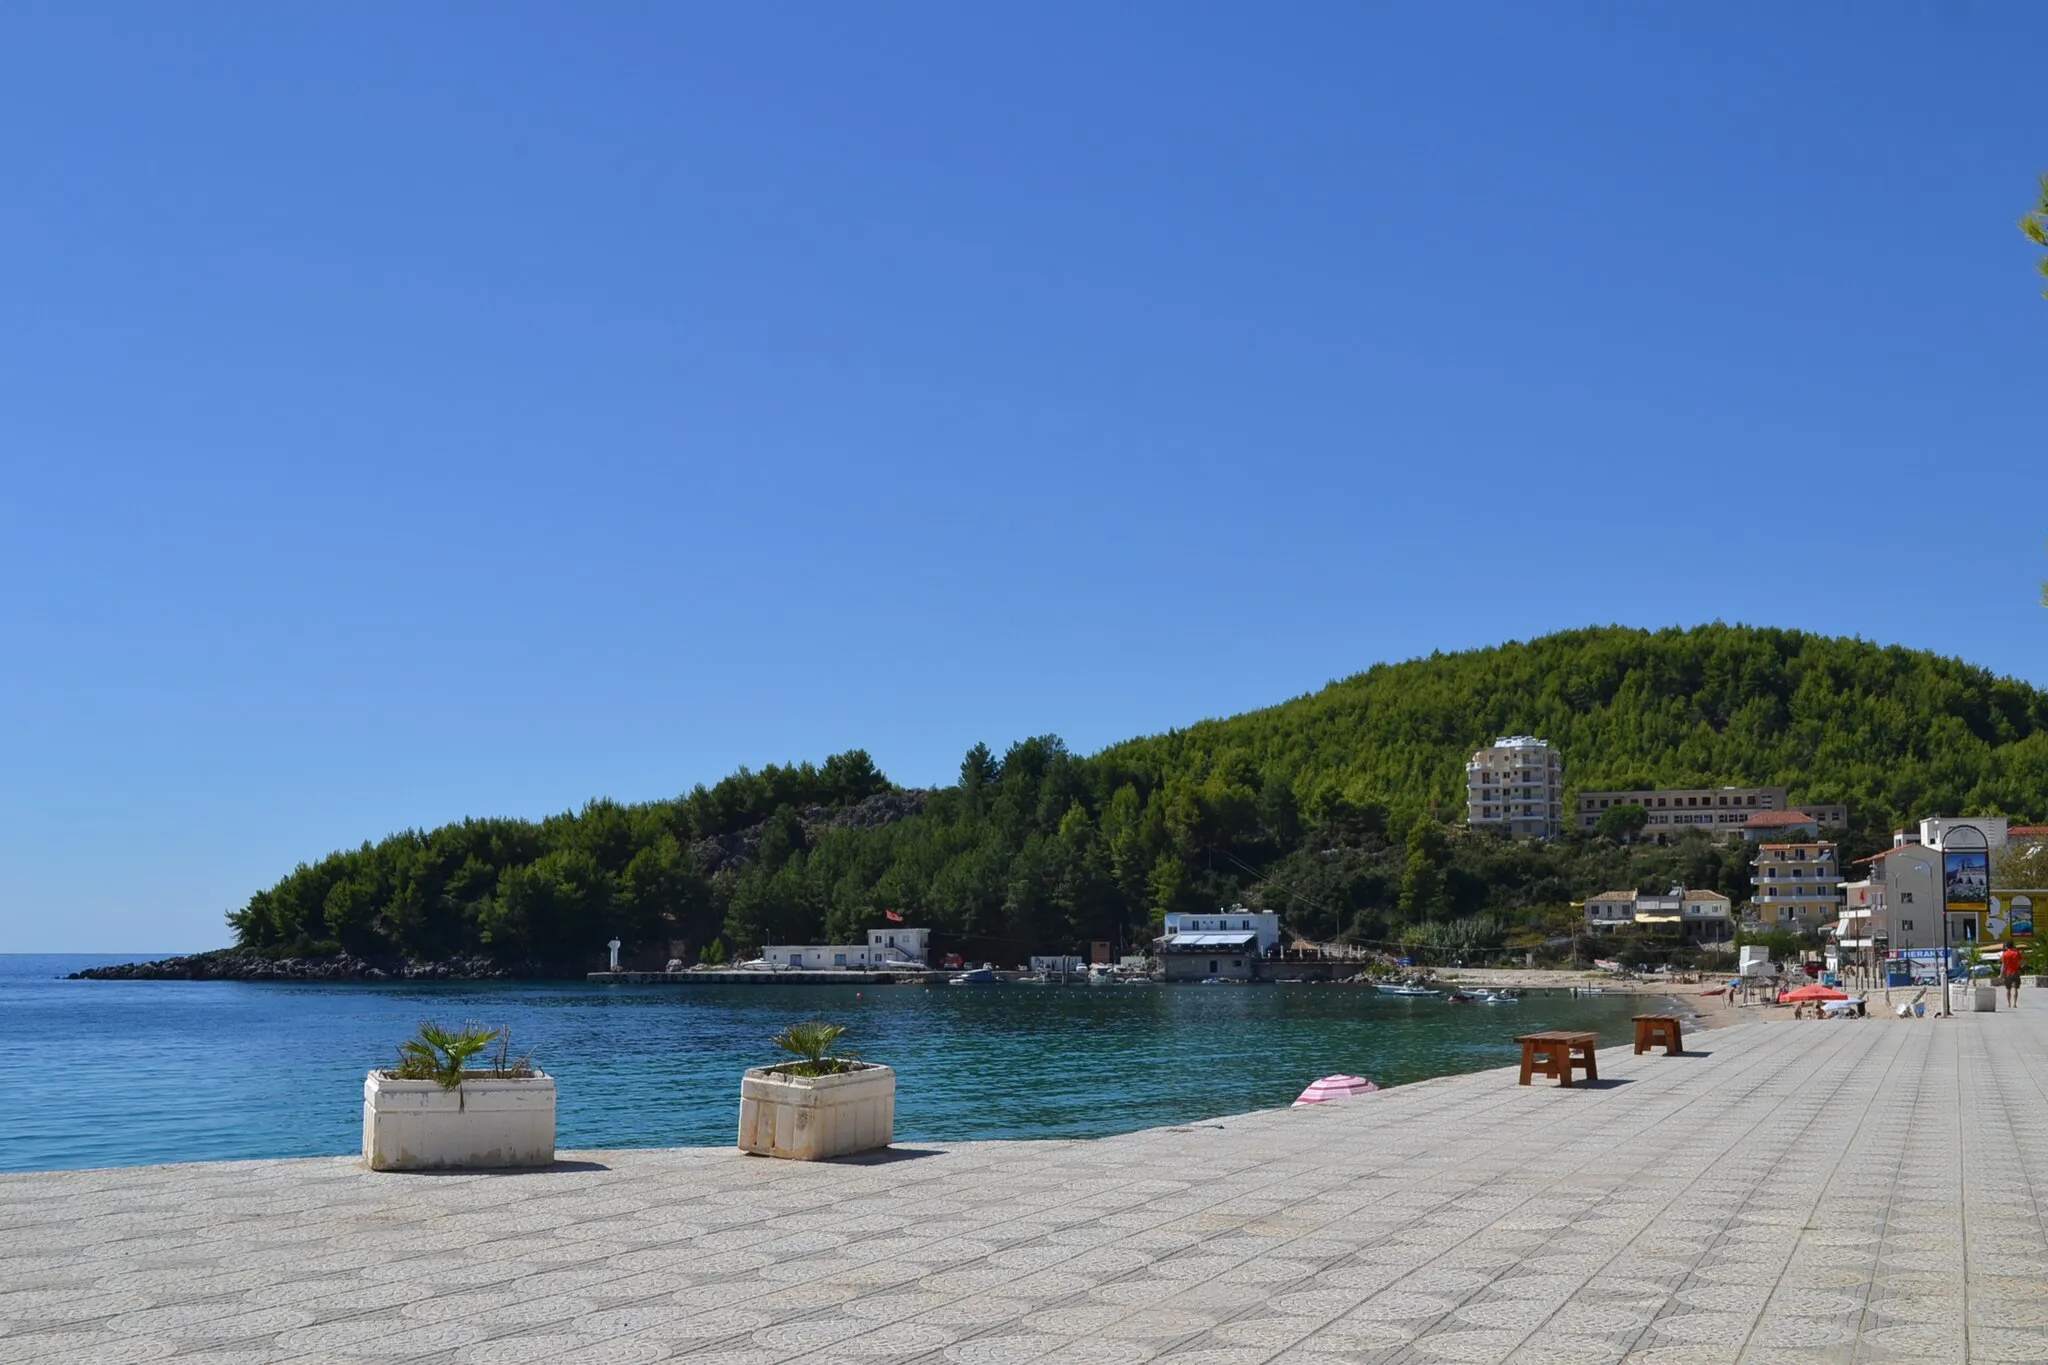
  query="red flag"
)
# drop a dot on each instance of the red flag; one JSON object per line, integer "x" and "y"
{"x": 892, "y": 917}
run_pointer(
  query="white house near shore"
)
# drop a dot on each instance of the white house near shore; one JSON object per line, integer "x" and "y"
{"x": 891, "y": 947}
{"x": 1234, "y": 920}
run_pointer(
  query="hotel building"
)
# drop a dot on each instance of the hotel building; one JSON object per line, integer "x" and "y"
{"x": 1721, "y": 810}
{"x": 1516, "y": 787}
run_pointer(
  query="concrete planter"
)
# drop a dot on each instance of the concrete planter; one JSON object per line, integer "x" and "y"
{"x": 2040, "y": 980}
{"x": 810, "y": 1118}
{"x": 1968, "y": 997}
{"x": 486, "y": 1122}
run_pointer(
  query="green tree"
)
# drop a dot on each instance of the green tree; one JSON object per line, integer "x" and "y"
{"x": 1621, "y": 824}
{"x": 1047, "y": 846}
{"x": 2035, "y": 225}
{"x": 1422, "y": 881}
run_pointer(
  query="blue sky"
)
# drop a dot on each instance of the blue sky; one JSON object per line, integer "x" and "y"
{"x": 416, "y": 412}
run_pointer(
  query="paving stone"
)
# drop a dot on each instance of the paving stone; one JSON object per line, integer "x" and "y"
{"x": 1862, "y": 1191}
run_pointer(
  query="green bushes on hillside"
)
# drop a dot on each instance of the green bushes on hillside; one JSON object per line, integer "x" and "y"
{"x": 1340, "y": 808}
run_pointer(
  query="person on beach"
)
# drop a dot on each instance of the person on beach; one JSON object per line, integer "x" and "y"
{"x": 2009, "y": 962}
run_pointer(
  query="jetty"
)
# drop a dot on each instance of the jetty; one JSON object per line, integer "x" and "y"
{"x": 1856, "y": 1190}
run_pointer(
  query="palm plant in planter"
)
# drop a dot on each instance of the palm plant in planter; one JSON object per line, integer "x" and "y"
{"x": 825, "y": 1103}
{"x": 433, "y": 1110}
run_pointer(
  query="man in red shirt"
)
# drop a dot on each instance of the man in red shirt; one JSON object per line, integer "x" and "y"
{"x": 2009, "y": 962}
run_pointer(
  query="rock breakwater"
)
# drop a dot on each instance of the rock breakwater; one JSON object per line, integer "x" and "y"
{"x": 239, "y": 964}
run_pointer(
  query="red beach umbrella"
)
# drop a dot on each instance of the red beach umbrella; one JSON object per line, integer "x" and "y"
{"x": 1335, "y": 1088}
{"x": 1812, "y": 993}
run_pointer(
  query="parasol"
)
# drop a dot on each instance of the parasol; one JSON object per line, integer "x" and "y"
{"x": 1335, "y": 1088}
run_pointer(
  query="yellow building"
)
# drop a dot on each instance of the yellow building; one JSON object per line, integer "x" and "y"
{"x": 1797, "y": 886}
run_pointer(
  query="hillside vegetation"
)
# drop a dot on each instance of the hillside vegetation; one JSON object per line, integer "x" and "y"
{"x": 1340, "y": 808}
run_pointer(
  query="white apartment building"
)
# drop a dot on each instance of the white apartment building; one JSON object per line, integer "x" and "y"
{"x": 1234, "y": 920}
{"x": 1797, "y": 886}
{"x": 1516, "y": 787}
{"x": 1719, "y": 810}
{"x": 1945, "y": 832}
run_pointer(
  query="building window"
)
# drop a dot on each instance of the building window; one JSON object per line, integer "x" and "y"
{"x": 1905, "y": 926}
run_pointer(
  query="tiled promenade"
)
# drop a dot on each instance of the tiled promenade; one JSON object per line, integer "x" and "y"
{"x": 1865, "y": 1190}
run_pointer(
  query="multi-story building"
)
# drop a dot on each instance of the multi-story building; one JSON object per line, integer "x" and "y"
{"x": 1720, "y": 810}
{"x": 1797, "y": 886}
{"x": 1516, "y": 787}
{"x": 1610, "y": 912}
{"x": 1265, "y": 924}
{"x": 1900, "y": 900}
{"x": 1709, "y": 917}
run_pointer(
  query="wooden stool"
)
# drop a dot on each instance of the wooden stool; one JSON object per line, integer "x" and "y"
{"x": 1652, "y": 1029}
{"x": 1555, "y": 1054}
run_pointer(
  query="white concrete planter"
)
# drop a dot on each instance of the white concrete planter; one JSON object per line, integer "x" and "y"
{"x": 486, "y": 1122}
{"x": 1972, "y": 997}
{"x": 810, "y": 1118}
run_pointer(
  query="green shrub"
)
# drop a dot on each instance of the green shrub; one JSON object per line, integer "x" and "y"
{"x": 814, "y": 1042}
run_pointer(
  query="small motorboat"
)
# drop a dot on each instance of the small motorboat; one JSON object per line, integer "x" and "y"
{"x": 1491, "y": 997}
{"x": 1409, "y": 990}
{"x": 984, "y": 975}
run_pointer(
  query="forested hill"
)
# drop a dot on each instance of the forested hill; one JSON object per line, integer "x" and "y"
{"x": 1340, "y": 808}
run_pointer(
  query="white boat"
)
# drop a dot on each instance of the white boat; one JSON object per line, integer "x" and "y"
{"x": 1409, "y": 990}
{"x": 1101, "y": 974}
{"x": 984, "y": 975}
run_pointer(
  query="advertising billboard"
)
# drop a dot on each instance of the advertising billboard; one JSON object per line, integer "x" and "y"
{"x": 2012, "y": 913}
{"x": 1966, "y": 880}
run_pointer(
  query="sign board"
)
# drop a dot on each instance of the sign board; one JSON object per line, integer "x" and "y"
{"x": 2014, "y": 911}
{"x": 1966, "y": 881}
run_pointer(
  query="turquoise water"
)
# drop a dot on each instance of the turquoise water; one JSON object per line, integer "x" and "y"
{"x": 113, "y": 1073}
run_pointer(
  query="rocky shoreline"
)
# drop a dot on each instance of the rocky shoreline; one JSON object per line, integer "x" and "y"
{"x": 237, "y": 964}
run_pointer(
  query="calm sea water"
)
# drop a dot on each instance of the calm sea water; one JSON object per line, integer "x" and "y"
{"x": 115, "y": 1073}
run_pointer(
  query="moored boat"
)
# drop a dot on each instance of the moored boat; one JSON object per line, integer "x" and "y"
{"x": 984, "y": 975}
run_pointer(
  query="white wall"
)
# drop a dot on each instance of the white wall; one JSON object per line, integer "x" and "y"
{"x": 1236, "y": 919}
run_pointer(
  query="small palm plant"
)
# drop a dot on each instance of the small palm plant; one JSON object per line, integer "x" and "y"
{"x": 813, "y": 1042}
{"x": 443, "y": 1055}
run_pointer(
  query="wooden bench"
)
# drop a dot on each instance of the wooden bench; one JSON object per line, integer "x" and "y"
{"x": 1652, "y": 1029}
{"x": 1555, "y": 1054}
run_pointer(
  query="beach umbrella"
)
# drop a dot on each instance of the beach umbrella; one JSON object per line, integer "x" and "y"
{"x": 1805, "y": 993}
{"x": 1335, "y": 1088}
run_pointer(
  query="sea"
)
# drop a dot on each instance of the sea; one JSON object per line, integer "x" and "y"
{"x": 117, "y": 1073}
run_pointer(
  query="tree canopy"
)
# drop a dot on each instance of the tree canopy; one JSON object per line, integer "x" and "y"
{"x": 1342, "y": 809}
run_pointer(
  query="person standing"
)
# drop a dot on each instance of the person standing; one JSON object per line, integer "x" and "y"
{"x": 2009, "y": 963}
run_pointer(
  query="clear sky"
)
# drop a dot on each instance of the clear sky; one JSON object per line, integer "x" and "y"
{"x": 417, "y": 411}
